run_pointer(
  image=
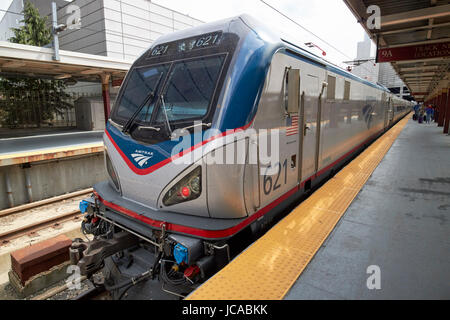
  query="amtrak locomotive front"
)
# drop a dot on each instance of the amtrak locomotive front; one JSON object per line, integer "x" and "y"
{"x": 169, "y": 212}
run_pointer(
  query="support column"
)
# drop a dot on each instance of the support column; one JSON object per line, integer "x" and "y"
{"x": 441, "y": 110}
{"x": 55, "y": 32}
{"x": 105, "y": 93}
{"x": 438, "y": 108}
{"x": 447, "y": 111}
{"x": 436, "y": 117}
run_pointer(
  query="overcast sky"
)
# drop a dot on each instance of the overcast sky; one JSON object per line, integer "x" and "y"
{"x": 331, "y": 20}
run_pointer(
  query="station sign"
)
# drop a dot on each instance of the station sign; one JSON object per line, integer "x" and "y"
{"x": 418, "y": 52}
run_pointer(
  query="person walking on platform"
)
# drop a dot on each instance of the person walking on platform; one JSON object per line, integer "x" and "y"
{"x": 429, "y": 112}
{"x": 421, "y": 114}
{"x": 416, "y": 112}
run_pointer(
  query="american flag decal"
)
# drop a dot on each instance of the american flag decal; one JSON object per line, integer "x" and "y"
{"x": 292, "y": 125}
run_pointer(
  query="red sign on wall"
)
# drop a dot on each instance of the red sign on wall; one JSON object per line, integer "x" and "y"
{"x": 419, "y": 52}
{"x": 117, "y": 82}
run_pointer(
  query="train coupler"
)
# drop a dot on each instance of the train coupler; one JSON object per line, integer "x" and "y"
{"x": 90, "y": 256}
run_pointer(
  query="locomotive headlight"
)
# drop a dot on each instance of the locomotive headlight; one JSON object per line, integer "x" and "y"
{"x": 195, "y": 184}
{"x": 188, "y": 188}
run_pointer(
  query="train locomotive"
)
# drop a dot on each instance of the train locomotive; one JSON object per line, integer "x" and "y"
{"x": 170, "y": 212}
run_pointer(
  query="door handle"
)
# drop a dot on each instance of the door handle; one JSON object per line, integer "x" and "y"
{"x": 304, "y": 129}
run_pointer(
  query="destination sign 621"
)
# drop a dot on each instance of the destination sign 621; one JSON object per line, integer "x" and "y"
{"x": 186, "y": 45}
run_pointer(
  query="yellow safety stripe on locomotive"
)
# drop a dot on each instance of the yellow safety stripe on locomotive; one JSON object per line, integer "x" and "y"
{"x": 269, "y": 267}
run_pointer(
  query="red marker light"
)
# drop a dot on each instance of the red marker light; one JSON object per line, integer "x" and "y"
{"x": 191, "y": 271}
{"x": 185, "y": 192}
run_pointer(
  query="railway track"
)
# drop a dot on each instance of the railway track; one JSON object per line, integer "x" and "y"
{"x": 54, "y": 221}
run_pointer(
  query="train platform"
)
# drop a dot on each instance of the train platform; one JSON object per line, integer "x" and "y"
{"x": 377, "y": 230}
{"x": 19, "y": 150}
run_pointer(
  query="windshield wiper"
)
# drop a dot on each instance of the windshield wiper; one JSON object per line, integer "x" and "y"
{"x": 148, "y": 99}
{"x": 185, "y": 129}
{"x": 148, "y": 128}
{"x": 165, "y": 113}
{"x": 208, "y": 125}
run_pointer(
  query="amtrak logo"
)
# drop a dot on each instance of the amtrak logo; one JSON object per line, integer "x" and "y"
{"x": 141, "y": 157}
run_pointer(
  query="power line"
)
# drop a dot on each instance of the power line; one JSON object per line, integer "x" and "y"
{"x": 309, "y": 31}
{"x": 7, "y": 11}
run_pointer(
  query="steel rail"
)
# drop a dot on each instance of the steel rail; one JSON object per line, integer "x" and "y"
{"x": 5, "y": 237}
{"x": 7, "y": 212}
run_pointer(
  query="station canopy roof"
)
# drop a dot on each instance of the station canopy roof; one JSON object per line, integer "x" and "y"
{"x": 414, "y": 37}
{"x": 31, "y": 61}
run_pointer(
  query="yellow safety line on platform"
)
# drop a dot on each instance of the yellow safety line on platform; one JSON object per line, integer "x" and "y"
{"x": 269, "y": 267}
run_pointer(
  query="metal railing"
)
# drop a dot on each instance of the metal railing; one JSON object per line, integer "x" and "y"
{"x": 23, "y": 109}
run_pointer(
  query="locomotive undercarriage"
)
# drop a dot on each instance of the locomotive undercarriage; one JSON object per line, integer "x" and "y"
{"x": 130, "y": 265}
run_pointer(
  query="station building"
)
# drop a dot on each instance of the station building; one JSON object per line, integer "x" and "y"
{"x": 112, "y": 28}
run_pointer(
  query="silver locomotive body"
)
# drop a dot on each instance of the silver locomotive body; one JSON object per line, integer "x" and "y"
{"x": 187, "y": 173}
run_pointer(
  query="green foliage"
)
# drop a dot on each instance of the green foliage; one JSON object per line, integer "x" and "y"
{"x": 34, "y": 32}
{"x": 29, "y": 101}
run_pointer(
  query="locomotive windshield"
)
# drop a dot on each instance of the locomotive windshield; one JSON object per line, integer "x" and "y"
{"x": 173, "y": 85}
{"x": 141, "y": 82}
{"x": 189, "y": 88}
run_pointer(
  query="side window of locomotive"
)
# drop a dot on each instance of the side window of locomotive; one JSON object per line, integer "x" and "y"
{"x": 286, "y": 88}
{"x": 190, "y": 88}
{"x": 142, "y": 82}
{"x": 331, "y": 89}
{"x": 293, "y": 86}
{"x": 346, "y": 90}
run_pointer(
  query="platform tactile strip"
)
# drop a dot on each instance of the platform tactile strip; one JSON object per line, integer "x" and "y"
{"x": 270, "y": 266}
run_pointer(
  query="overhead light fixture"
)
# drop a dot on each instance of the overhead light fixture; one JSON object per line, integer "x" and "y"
{"x": 59, "y": 28}
{"x": 63, "y": 76}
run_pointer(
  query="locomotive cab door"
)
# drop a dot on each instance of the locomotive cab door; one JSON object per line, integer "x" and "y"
{"x": 391, "y": 112}
{"x": 281, "y": 175}
{"x": 309, "y": 114}
{"x": 276, "y": 123}
{"x": 385, "y": 103}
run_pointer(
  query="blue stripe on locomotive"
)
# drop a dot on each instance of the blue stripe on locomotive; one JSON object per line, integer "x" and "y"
{"x": 244, "y": 89}
{"x": 245, "y": 85}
